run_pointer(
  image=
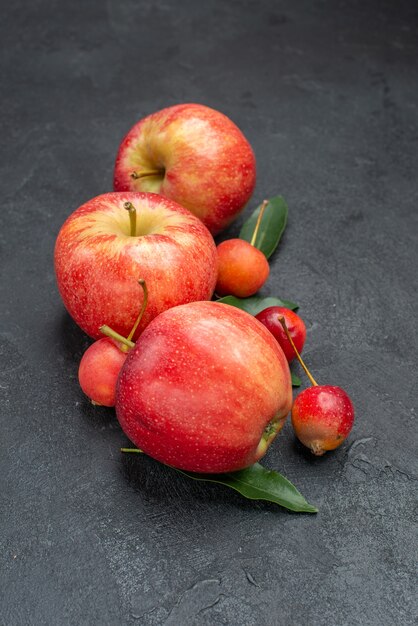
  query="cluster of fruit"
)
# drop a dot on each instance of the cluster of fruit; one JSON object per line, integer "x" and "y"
{"x": 198, "y": 384}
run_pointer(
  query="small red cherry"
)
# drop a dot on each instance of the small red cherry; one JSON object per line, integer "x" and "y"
{"x": 101, "y": 363}
{"x": 295, "y": 325}
{"x": 99, "y": 370}
{"x": 322, "y": 415}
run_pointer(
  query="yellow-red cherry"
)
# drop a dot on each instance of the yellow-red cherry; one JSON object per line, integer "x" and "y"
{"x": 322, "y": 415}
{"x": 242, "y": 268}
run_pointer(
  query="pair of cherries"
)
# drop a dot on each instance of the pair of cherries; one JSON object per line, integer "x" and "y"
{"x": 322, "y": 415}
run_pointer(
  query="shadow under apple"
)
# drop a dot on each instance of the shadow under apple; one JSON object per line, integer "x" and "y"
{"x": 158, "y": 483}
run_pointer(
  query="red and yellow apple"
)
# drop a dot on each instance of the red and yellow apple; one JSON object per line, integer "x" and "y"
{"x": 98, "y": 261}
{"x": 192, "y": 154}
{"x": 206, "y": 389}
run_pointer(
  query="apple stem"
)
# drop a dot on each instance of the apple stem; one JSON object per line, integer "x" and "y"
{"x": 143, "y": 284}
{"x": 131, "y": 450}
{"x": 109, "y": 332}
{"x": 259, "y": 218}
{"x": 145, "y": 173}
{"x": 132, "y": 217}
{"x": 307, "y": 372}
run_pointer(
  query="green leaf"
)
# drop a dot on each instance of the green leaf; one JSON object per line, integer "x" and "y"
{"x": 258, "y": 483}
{"x": 255, "y": 304}
{"x": 255, "y": 483}
{"x": 271, "y": 227}
{"x": 296, "y": 381}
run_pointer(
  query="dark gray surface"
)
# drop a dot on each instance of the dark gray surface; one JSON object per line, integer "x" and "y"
{"x": 327, "y": 94}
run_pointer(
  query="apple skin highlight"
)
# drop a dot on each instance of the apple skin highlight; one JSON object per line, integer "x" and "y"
{"x": 98, "y": 263}
{"x": 199, "y": 157}
{"x": 206, "y": 389}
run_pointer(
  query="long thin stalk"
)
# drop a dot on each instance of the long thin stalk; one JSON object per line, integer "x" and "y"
{"x": 257, "y": 225}
{"x": 301, "y": 361}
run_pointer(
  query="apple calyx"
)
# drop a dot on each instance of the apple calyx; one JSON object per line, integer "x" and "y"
{"x": 269, "y": 433}
{"x": 257, "y": 225}
{"x": 126, "y": 342}
{"x": 299, "y": 358}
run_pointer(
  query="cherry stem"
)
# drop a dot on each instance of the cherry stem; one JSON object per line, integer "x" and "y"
{"x": 257, "y": 225}
{"x": 145, "y": 173}
{"x": 307, "y": 372}
{"x": 132, "y": 450}
{"x": 127, "y": 342}
{"x": 109, "y": 332}
{"x": 132, "y": 217}
{"x": 143, "y": 284}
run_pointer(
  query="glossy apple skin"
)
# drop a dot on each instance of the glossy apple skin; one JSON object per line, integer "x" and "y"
{"x": 322, "y": 417}
{"x": 242, "y": 269}
{"x": 98, "y": 264}
{"x": 202, "y": 386}
{"x": 99, "y": 369}
{"x": 295, "y": 325}
{"x": 205, "y": 162}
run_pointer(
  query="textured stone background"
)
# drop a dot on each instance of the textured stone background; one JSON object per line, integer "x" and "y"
{"x": 327, "y": 93}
